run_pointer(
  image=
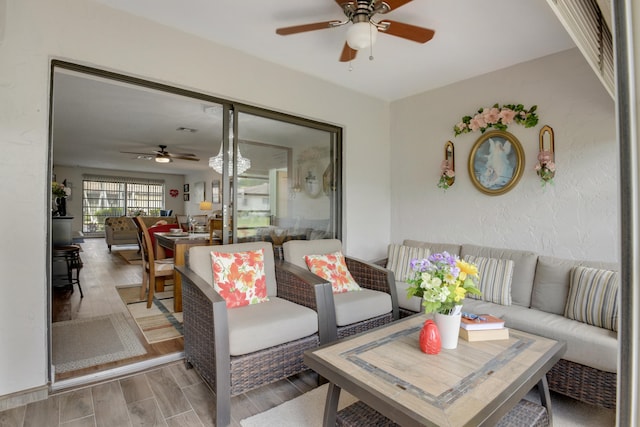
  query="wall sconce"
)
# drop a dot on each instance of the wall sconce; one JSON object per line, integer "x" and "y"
{"x": 546, "y": 166}
{"x": 448, "y": 167}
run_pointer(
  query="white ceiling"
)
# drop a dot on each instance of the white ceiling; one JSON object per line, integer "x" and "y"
{"x": 472, "y": 37}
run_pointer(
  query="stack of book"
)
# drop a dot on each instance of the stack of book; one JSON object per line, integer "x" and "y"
{"x": 482, "y": 327}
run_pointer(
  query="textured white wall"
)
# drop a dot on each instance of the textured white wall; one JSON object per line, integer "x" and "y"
{"x": 84, "y": 32}
{"x": 576, "y": 218}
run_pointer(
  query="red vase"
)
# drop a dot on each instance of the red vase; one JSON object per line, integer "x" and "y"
{"x": 430, "y": 338}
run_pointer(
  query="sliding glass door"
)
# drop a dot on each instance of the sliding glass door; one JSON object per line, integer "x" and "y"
{"x": 288, "y": 185}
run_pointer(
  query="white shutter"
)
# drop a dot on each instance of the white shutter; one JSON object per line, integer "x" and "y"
{"x": 588, "y": 28}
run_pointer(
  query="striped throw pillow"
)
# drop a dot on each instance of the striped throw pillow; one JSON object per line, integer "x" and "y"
{"x": 593, "y": 297}
{"x": 399, "y": 257}
{"x": 495, "y": 279}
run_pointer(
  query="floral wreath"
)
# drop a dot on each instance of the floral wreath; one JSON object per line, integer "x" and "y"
{"x": 497, "y": 117}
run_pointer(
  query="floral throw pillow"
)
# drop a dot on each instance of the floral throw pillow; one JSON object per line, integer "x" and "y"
{"x": 333, "y": 268}
{"x": 239, "y": 277}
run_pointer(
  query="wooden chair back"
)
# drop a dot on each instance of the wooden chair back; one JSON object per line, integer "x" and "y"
{"x": 215, "y": 225}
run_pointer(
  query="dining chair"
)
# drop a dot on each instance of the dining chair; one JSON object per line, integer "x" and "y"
{"x": 215, "y": 230}
{"x": 154, "y": 271}
{"x": 182, "y": 220}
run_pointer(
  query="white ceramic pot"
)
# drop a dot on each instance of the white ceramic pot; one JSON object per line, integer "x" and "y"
{"x": 449, "y": 328}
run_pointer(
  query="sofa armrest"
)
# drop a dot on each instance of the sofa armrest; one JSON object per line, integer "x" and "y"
{"x": 305, "y": 288}
{"x": 374, "y": 277}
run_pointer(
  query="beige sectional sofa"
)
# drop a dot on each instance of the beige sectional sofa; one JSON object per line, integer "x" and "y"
{"x": 540, "y": 288}
{"x": 121, "y": 230}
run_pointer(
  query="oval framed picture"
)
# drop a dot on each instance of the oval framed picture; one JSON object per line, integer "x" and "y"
{"x": 496, "y": 162}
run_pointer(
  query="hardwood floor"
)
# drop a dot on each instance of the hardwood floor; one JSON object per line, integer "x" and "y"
{"x": 101, "y": 273}
{"x": 170, "y": 396}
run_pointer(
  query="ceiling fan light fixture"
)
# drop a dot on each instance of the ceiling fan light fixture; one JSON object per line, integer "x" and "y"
{"x": 163, "y": 159}
{"x": 361, "y": 35}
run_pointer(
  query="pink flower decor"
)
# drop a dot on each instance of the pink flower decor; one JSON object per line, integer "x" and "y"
{"x": 497, "y": 117}
{"x": 447, "y": 175}
{"x": 546, "y": 167}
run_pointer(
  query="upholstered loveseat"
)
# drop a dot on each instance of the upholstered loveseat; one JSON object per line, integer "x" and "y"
{"x": 121, "y": 230}
{"x": 568, "y": 300}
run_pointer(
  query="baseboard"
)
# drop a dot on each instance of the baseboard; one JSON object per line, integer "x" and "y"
{"x": 23, "y": 397}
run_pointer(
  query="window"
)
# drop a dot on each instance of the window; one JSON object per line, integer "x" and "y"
{"x": 111, "y": 196}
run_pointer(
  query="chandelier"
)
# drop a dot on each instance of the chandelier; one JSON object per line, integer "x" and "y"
{"x": 216, "y": 162}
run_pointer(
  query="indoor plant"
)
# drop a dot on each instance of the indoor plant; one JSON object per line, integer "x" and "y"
{"x": 442, "y": 281}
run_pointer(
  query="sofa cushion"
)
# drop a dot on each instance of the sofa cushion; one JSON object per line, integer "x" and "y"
{"x": 586, "y": 344}
{"x": 412, "y": 304}
{"x": 453, "y": 249}
{"x": 399, "y": 258}
{"x": 352, "y": 307}
{"x": 524, "y": 267}
{"x": 199, "y": 260}
{"x": 239, "y": 277}
{"x": 332, "y": 268}
{"x": 593, "y": 297}
{"x": 495, "y": 279}
{"x": 551, "y": 283}
{"x": 277, "y": 321}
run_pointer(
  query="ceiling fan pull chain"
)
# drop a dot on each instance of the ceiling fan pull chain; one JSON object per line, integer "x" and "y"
{"x": 371, "y": 41}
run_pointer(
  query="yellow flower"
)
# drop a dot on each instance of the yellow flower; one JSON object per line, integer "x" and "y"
{"x": 459, "y": 293}
{"x": 466, "y": 268}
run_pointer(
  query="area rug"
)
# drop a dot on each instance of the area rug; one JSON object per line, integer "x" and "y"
{"x": 307, "y": 411}
{"x": 158, "y": 323}
{"x": 303, "y": 411}
{"x": 93, "y": 341}
{"x": 131, "y": 256}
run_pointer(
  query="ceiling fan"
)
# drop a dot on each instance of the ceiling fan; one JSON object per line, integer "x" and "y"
{"x": 364, "y": 29}
{"x": 162, "y": 156}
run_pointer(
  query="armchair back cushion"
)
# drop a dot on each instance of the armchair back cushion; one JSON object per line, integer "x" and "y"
{"x": 199, "y": 260}
{"x": 295, "y": 250}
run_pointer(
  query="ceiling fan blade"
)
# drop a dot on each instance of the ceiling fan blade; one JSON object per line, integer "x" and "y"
{"x": 133, "y": 152}
{"x": 285, "y": 31}
{"x": 176, "y": 156}
{"x": 394, "y": 4}
{"x": 348, "y": 54}
{"x": 179, "y": 154}
{"x": 407, "y": 31}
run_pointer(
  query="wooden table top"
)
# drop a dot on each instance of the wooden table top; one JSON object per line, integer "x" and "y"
{"x": 477, "y": 382}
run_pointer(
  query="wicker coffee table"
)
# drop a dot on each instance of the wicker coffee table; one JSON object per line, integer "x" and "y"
{"x": 475, "y": 384}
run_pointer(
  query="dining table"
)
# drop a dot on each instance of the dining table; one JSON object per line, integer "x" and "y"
{"x": 179, "y": 243}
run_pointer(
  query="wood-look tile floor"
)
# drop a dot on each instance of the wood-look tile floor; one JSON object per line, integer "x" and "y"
{"x": 102, "y": 271}
{"x": 169, "y": 396}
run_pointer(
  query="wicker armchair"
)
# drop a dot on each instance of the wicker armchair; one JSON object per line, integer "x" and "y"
{"x": 354, "y": 312}
{"x": 212, "y": 331}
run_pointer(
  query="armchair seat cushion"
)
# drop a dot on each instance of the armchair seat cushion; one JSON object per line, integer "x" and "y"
{"x": 352, "y": 307}
{"x": 279, "y": 322}
{"x": 412, "y": 304}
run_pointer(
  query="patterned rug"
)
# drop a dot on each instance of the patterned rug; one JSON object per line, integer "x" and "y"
{"x": 158, "y": 323}
{"x": 131, "y": 256}
{"x": 81, "y": 343}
